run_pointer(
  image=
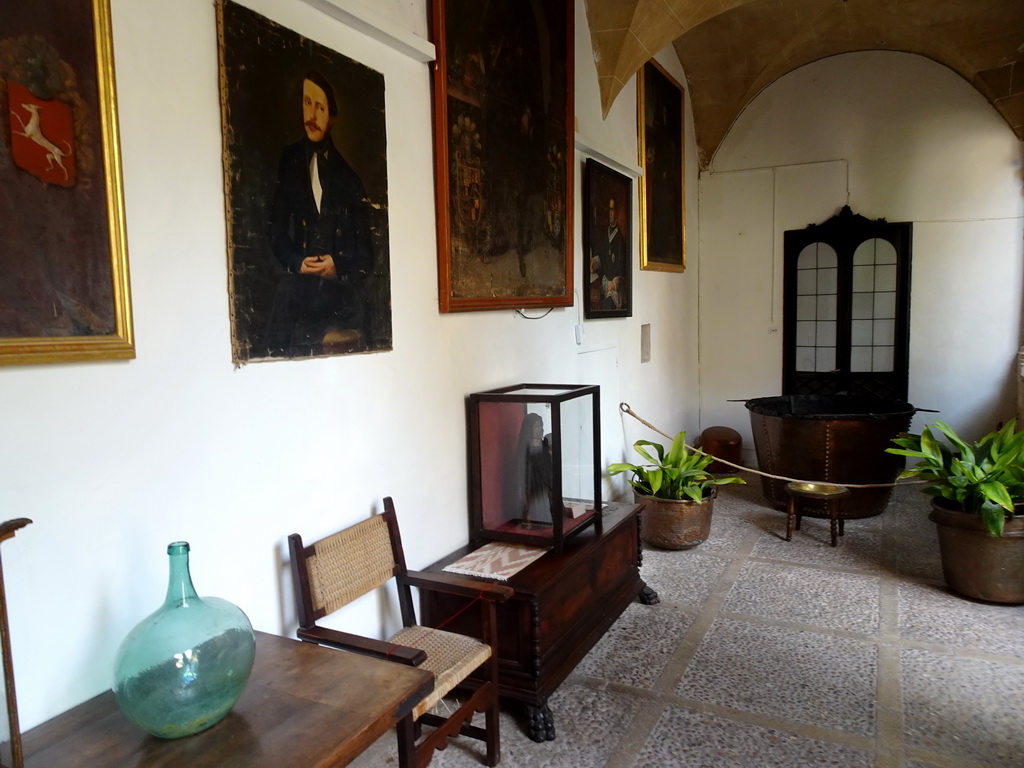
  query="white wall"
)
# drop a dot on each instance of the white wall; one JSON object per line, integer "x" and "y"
{"x": 896, "y": 136}
{"x": 114, "y": 460}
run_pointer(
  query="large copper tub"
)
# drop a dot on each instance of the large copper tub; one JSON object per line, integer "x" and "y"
{"x": 836, "y": 439}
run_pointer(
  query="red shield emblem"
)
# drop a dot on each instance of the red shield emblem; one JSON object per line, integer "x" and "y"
{"x": 42, "y": 136}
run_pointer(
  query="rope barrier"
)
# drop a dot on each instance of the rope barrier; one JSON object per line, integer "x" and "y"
{"x": 624, "y": 407}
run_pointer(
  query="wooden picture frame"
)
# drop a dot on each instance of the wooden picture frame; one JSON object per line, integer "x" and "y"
{"x": 504, "y": 153}
{"x": 660, "y": 128}
{"x": 65, "y": 294}
{"x": 607, "y": 242}
{"x": 280, "y": 309}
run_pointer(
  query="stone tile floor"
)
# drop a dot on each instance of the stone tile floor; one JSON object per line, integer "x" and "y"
{"x": 765, "y": 653}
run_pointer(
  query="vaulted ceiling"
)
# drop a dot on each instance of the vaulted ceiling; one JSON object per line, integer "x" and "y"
{"x": 732, "y": 49}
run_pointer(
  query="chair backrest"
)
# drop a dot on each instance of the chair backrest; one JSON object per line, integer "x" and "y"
{"x": 339, "y": 568}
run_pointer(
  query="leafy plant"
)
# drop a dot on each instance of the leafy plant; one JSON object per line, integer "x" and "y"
{"x": 679, "y": 474}
{"x": 986, "y": 478}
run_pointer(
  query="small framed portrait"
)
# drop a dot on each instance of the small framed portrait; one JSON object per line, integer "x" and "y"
{"x": 607, "y": 242}
{"x": 662, "y": 199}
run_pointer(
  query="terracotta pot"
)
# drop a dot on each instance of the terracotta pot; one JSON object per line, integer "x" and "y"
{"x": 974, "y": 562}
{"x": 671, "y": 524}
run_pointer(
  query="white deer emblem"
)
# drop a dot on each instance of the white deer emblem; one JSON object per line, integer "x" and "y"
{"x": 33, "y": 131}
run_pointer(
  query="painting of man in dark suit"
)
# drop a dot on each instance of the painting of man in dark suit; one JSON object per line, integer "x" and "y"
{"x": 608, "y": 261}
{"x": 607, "y": 199}
{"x": 306, "y": 184}
{"x": 320, "y": 233}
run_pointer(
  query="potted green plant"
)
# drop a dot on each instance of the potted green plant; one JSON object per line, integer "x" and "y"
{"x": 976, "y": 491}
{"x": 676, "y": 490}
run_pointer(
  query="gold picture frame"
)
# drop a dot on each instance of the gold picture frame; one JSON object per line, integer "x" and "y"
{"x": 662, "y": 187}
{"x": 65, "y": 296}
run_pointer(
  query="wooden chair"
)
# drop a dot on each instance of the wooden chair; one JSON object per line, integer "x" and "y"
{"x": 11, "y": 753}
{"x": 339, "y": 568}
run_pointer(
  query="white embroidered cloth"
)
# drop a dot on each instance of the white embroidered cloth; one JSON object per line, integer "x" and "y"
{"x": 496, "y": 560}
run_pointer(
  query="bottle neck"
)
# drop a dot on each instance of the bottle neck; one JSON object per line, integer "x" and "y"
{"x": 179, "y": 586}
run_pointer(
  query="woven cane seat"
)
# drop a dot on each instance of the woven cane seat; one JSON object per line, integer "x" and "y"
{"x": 450, "y": 657}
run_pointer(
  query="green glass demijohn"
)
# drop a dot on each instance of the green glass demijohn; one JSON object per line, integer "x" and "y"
{"x": 183, "y": 667}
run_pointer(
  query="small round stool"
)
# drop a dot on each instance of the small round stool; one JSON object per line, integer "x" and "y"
{"x": 833, "y": 496}
{"x": 724, "y": 443}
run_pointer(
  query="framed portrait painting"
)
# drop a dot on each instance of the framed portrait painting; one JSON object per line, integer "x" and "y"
{"x": 662, "y": 194}
{"x": 64, "y": 290}
{"x": 305, "y": 182}
{"x": 503, "y": 123}
{"x": 607, "y": 242}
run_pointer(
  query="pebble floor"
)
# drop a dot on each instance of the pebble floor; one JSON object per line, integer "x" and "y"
{"x": 764, "y": 652}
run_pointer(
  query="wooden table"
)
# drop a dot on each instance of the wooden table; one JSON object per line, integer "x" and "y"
{"x": 304, "y": 706}
{"x": 563, "y": 603}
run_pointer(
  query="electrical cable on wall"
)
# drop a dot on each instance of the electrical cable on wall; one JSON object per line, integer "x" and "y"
{"x": 527, "y": 317}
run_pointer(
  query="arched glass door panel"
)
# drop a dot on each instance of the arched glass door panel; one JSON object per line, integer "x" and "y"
{"x": 873, "y": 307}
{"x": 816, "y": 308}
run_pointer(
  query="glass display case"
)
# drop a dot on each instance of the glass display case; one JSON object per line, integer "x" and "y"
{"x": 534, "y": 463}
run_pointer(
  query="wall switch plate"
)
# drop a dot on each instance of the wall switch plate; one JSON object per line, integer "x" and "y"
{"x": 645, "y": 343}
